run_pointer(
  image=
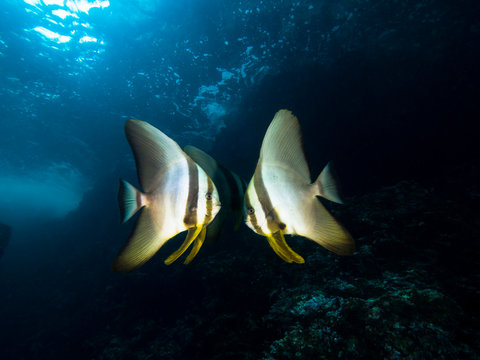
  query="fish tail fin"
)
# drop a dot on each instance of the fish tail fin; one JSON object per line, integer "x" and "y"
{"x": 320, "y": 226}
{"x": 327, "y": 185}
{"x": 130, "y": 200}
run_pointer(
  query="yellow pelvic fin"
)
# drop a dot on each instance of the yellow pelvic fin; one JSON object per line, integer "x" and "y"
{"x": 196, "y": 245}
{"x": 281, "y": 248}
{"x": 191, "y": 236}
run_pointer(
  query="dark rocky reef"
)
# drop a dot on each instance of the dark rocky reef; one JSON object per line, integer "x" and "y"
{"x": 410, "y": 292}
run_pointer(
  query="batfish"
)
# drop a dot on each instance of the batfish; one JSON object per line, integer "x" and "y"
{"x": 231, "y": 189}
{"x": 177, "y": 195}
{"x": 281, "y": 199}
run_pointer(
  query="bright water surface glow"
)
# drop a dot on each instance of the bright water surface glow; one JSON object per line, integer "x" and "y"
{"x": 70, "y": 8}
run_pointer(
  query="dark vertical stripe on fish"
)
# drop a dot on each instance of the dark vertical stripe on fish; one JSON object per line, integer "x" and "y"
{"x": 190, "y": 218}
{"x": 262, "y": 194}
{"x": 210, "y": 188}
{"x": 272, "y": 218}
{"x": 252, "y": 217}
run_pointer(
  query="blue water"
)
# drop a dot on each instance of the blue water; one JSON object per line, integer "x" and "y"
{"x": 387, "y": 90}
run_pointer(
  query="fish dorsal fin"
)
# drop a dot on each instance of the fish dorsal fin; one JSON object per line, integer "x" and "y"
{"x": 206, "y": 162}
{"x": 153, "y": 150}
{"x": 283, "y": 145}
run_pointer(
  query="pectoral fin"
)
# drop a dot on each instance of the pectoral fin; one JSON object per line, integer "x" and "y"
{"x": 196, "y": 245}
{"x": 191, "y": 236}
{"x": 281, "y": 248}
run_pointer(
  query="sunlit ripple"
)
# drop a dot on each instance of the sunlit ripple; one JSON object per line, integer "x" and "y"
{"x": 62, "y": 22}
{"x": 85, "y": 6}
{"x": 63, "y": 14}
{"x": 52, "y": 35}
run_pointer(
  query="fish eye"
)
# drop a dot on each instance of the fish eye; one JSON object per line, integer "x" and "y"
{"x": 250, "y": 211}
{"x": 208, "y": 196}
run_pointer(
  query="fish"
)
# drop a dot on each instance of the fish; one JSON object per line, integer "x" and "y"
{"x": 176, "y": 195}
{"x": 281, "y": 199}
{"x": 231, "y": 189}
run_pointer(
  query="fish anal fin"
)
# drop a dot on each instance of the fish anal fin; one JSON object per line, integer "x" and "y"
{"x": 142, "y": 244}
{"x": 196, "y": 245}
{"x": 191, "y": 235}
{"x": 320, "y": 226}
{"x": 281, "y": 248}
